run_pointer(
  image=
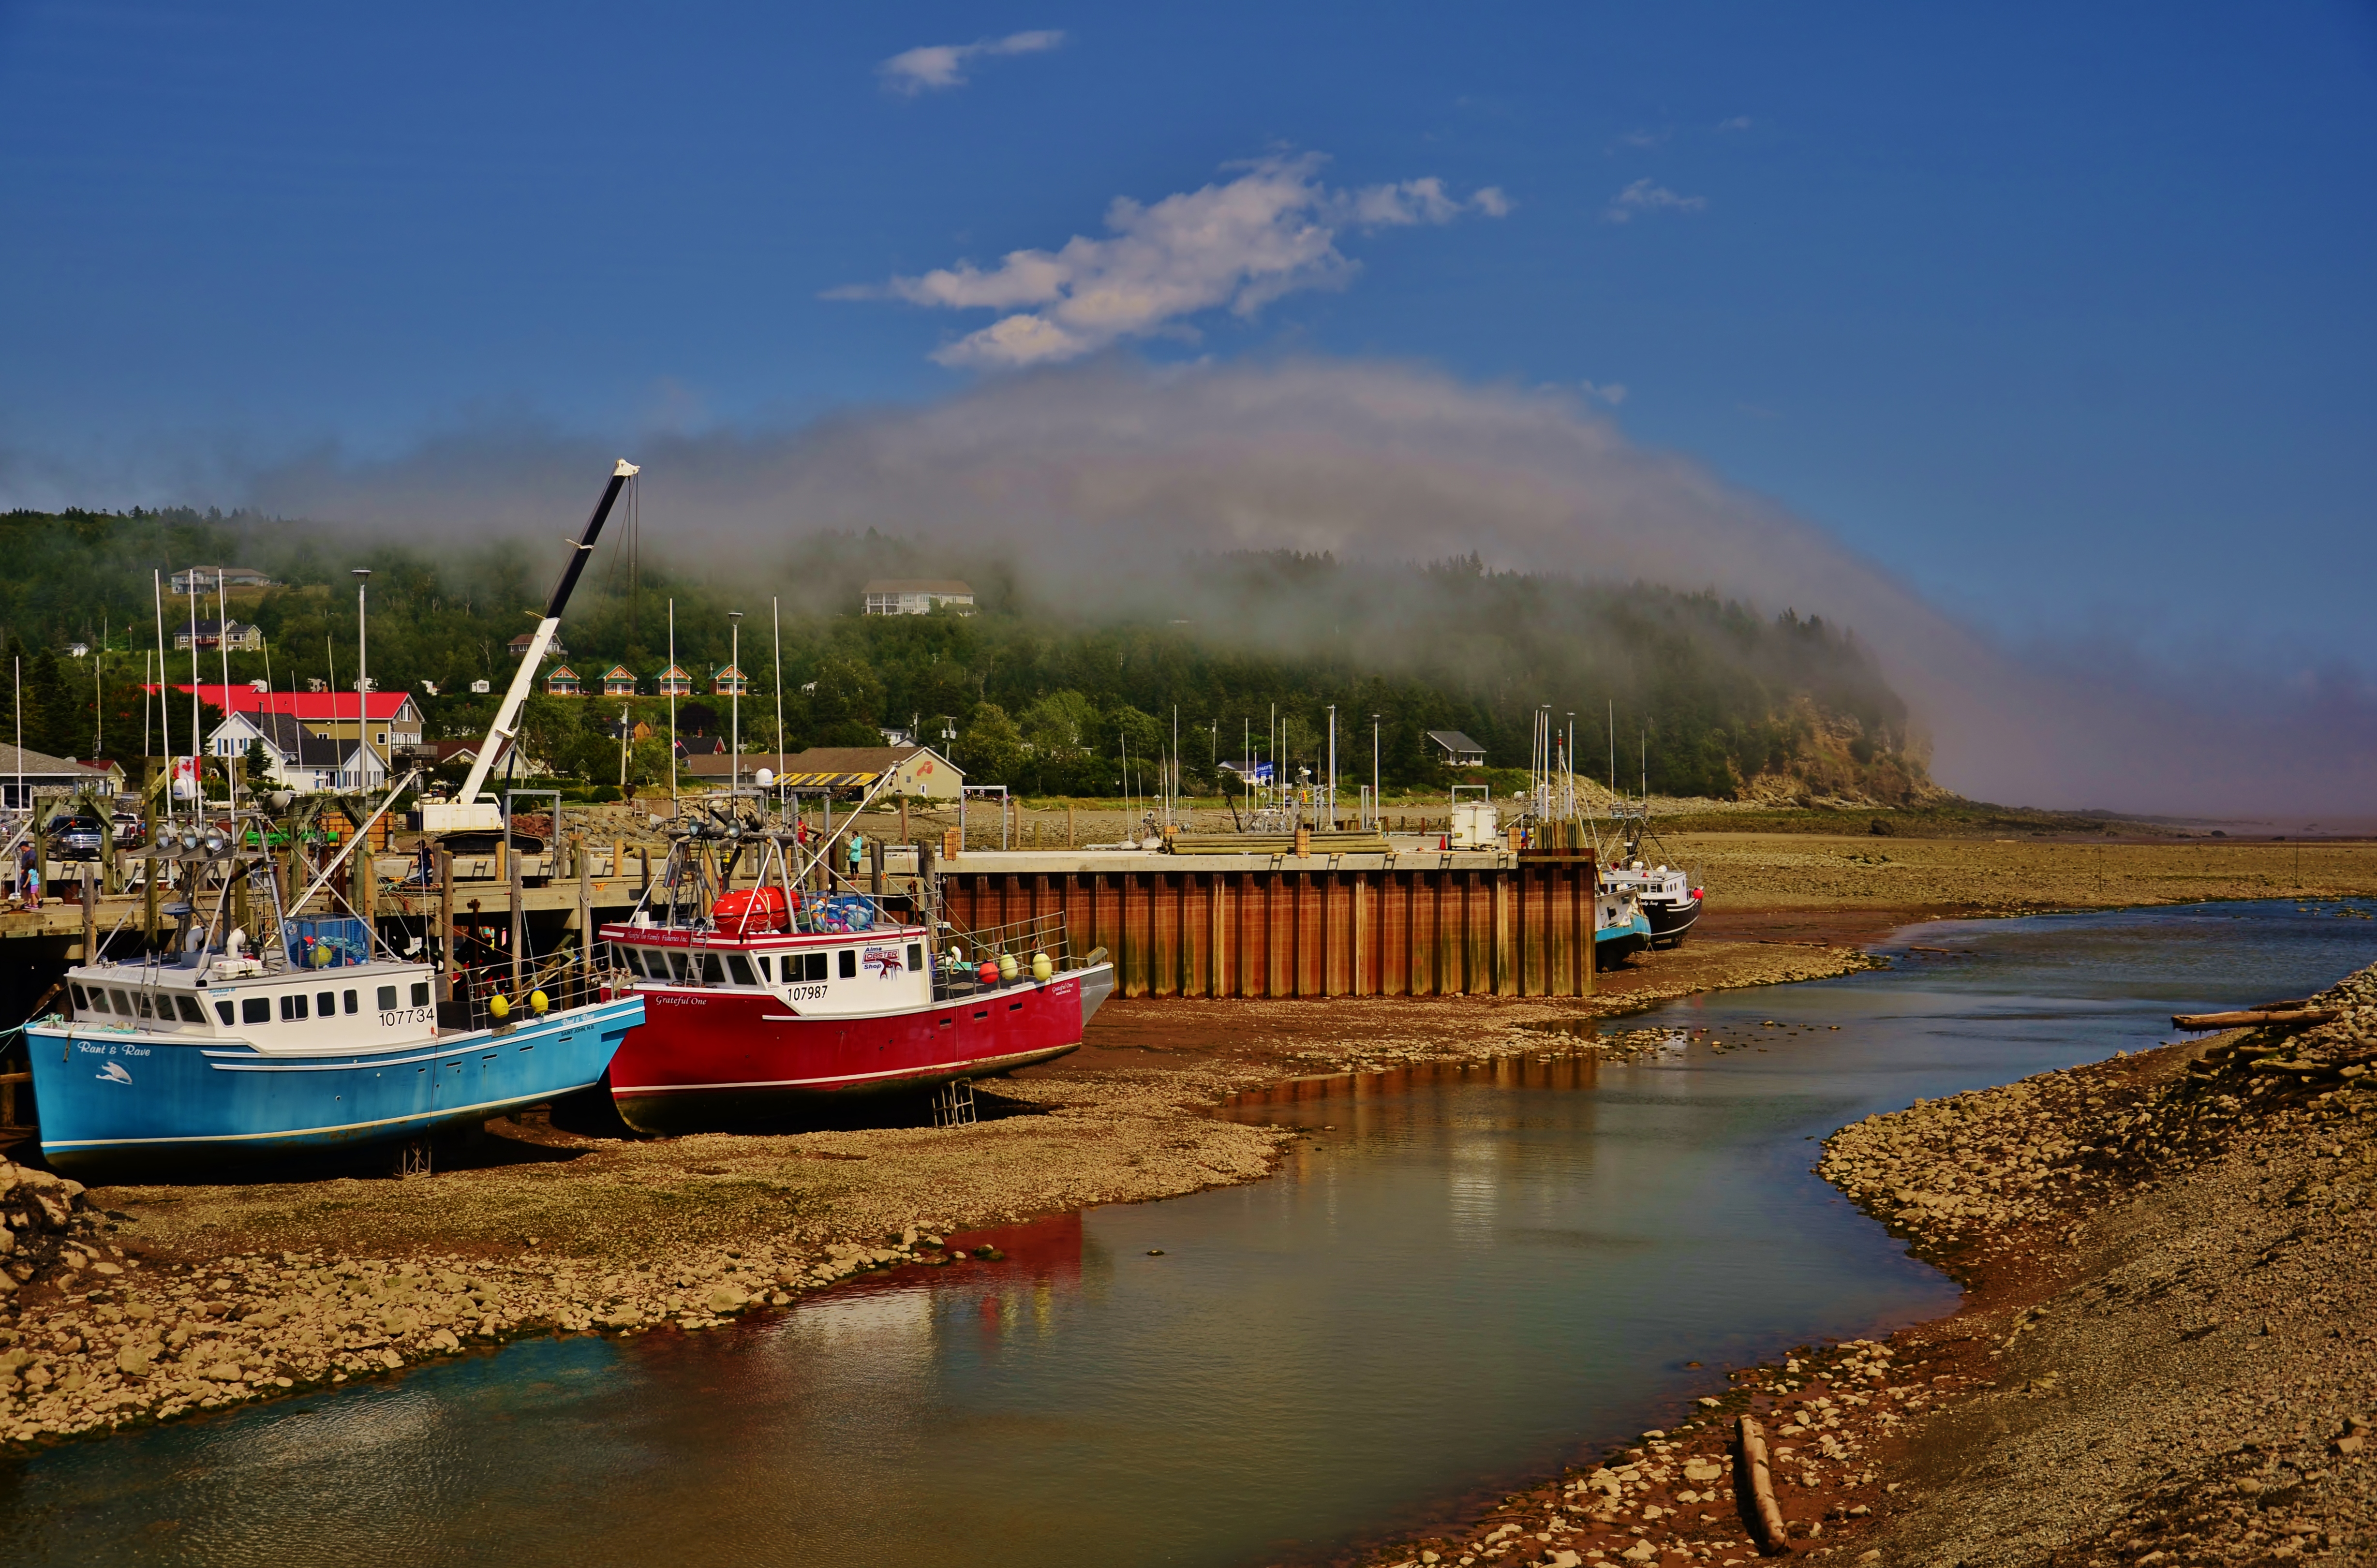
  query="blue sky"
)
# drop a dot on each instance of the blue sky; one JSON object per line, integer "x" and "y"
{"x": 2061, "y": 314}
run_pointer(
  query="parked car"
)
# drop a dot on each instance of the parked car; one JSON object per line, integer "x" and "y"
{"x": 130, "y": 834}
{"x": 76, "y": 838}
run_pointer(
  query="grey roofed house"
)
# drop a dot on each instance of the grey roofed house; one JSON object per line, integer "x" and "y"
{"x": 1460, "y": 751}
{"x": 45, "y": 775}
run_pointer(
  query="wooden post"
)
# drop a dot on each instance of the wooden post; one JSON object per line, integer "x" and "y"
{"x": 503, "y": 854}
{"x": 1589, "y": 892}
{"x": 445, "y": 924}
{"x": 874, "y": 856}
{"x": 903, "y": 820}
{"x": 1358, "y": 976}
{"x": 1069, "y": 826}
{"x": 520, "y": 929}
{"x": 363, "y": 881}
{"x": 585, "y": 913}
{"x": 618, "y": 860}
{"x": 89, "y": 917}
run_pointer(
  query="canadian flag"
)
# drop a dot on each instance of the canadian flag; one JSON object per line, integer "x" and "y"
{"x": 185, "y": 777}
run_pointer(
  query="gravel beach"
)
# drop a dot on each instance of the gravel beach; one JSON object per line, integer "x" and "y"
{"x": 2164, "y": 1356}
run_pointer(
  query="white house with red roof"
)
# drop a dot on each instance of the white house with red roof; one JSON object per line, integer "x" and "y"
{"x": 389, "y": 718}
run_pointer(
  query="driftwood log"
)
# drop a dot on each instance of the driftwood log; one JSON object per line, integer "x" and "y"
{"x": 2293, "y": 1017}
{"x": 1765, "y": 1517}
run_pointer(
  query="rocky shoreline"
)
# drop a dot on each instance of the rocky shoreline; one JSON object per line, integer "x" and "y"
{"x": 2168, "y": 1356}
{"x": 129, "y": 1304}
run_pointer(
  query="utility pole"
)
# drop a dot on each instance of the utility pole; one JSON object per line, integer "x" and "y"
{"x": 735, "y": 700}
{"x": 1375, "y": 813}
{"x": 363, "y": 675}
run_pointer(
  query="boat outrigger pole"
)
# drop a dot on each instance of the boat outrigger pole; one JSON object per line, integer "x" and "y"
{"x": 508, "y": 717}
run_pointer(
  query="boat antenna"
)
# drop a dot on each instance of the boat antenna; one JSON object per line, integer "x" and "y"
{"x": 671, "y": 681}
{"x": 164, "y": 709}
{"x": 222, "y": 648}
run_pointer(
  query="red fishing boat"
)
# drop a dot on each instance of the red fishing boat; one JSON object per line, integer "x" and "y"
{"x": 762, "y": 1000}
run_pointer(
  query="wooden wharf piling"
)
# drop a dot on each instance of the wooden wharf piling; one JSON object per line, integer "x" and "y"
{"x": 1483, "y": 924}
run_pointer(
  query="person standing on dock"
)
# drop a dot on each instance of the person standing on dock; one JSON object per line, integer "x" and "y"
{"x": 858, "y": 852}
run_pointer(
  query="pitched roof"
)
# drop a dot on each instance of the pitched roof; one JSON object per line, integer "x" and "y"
{"x": 14, "y": 760}
{"x": 287, "y": 734}
{"x": 1454, "y": 741}
{"x": 314, "y": 707}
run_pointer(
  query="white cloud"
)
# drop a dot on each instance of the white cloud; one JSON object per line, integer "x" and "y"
{"x": 1610, "y": 392}
{"x": 939, "y": 66}
{"x": 1643, "y": 139}
{"x": 1738, "y": 123}
{"x": 1644, "y": 197}
{"x": 1239, "y": 244}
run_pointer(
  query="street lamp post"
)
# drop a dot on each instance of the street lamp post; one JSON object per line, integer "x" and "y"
{"x": 1376, "y": 816}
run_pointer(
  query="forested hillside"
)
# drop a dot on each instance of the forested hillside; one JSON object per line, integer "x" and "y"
{"x": 1047, "y": 688}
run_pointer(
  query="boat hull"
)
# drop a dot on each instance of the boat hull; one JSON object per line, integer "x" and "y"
{"x": 707, "y": 1057}
{"x": 110, "y": 1099}
{"x": 1669, "y": 921}
{"x": 1614, "y": 943}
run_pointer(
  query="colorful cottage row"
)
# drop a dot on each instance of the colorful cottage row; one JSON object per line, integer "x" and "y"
{"x": 619, "y": 680}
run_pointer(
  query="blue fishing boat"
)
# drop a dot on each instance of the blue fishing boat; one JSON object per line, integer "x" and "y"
{"x": 315, "y": 1038}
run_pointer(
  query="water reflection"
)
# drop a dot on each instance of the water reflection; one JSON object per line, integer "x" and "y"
{"x": 1461, "y": 1272}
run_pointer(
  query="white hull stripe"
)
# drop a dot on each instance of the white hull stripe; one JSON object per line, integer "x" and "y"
{"x": 619, "y": 1089}
{"x": 488, "y": 1107}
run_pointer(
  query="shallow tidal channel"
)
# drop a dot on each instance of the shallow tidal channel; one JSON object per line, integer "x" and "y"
{"x": 1461, "y": 1277}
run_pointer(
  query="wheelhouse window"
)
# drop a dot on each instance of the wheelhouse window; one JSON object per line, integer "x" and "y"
{"x": 123, "y": 1004}
{"x": 916, "y": 956}
{"x": 849, "y": 963}
{"x": 630, "y": 958}
{"x": 326, "y": 1004}
{"x": 767, "y": 969}
{"x": 81, "y": 1002}
{"x": 740, "y": 967}
{"x": 355, "y": 1002}
{"x": 388, "y": 999}
{"x": 293, "y": 1007}
{"x": 255, "y": 1009}
{"x": 223, "y": 1011}
{"x": 421, "y": 994}
{"x": 190, "y": 1010}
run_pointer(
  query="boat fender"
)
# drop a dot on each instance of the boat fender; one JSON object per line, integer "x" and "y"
{"x": 538, "y": 1003}
{"x": 1006, "y": 966}
{"x": 989, "y": 973}
{"x": 498, "y": 1007}
{"x": 1041, "y": 968}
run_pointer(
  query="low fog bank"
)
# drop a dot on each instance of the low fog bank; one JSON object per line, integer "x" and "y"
{"x": 1093, "y": 483}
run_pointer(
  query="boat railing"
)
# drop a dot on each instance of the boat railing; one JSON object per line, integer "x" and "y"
{"x": 564, "y": 981}
{"x": 957, "y": 965}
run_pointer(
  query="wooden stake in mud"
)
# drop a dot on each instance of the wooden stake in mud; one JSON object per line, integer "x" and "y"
{"x": 1068, "y": 827}
{"x": 1766, "y": 1519}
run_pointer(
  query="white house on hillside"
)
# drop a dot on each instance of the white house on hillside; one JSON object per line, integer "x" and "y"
{"x": 917, "y": 596}
{"x": 296, "y": 757}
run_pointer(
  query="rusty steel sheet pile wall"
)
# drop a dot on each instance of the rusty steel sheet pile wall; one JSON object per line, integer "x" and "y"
{"x": 1514, "y": 927}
